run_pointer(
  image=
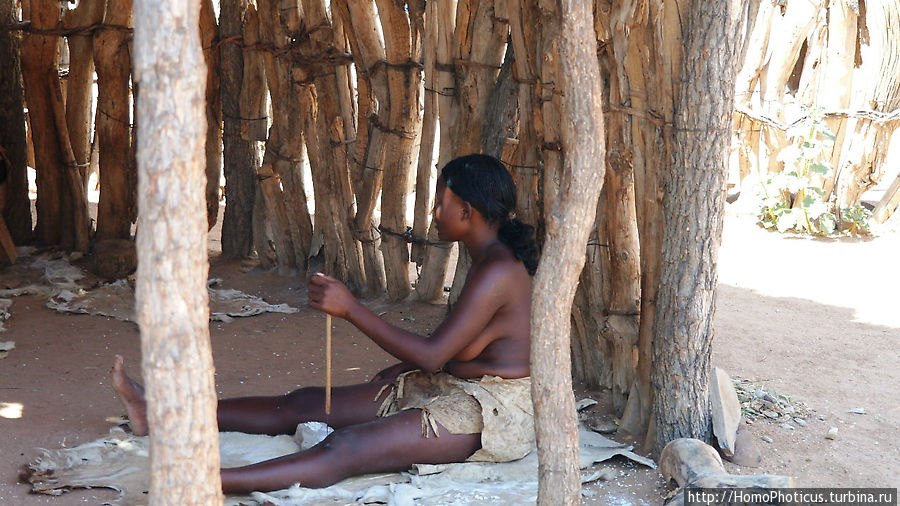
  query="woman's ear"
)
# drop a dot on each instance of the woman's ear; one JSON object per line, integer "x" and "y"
{"x": 467, "y": 210}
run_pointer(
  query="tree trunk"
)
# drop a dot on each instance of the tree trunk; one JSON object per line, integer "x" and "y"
{"x": 39, "y": 69}
{"x": 402, "y": 37}
{"x": 278, "y": 152}
{"x": 326, "y": 144}
{"x": 441, "y": 20}
{"x": 116, "y": 209}
{"x": 692, "y": 223}
{"x": 360, "y": 23}
{"x": 17, "y": 208}
{"x": 80, "y": 82}
{"x": 567, "y": 232}
{"x": 171, "y": 297}
{"x": 209, "y": 39}
{"x": 863, "y": 154}
{"x": 240, "y": 155}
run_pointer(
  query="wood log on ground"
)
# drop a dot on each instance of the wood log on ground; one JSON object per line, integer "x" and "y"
{"x": 726, "y": 410}
{"x": 16, "y": 210}
{"x": 691, "y": 463}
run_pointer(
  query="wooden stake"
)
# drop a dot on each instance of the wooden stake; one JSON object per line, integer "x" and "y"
{"x": 327, "y": 364}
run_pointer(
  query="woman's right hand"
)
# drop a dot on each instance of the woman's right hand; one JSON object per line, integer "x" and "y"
{"x": 329, "y": 295}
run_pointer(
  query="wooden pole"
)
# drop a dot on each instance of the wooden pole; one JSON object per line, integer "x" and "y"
{"x": 327, "y": 365}
{"x": 568, "y": 228}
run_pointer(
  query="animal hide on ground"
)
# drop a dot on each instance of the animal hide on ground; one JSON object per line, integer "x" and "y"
{"x": 121, "y": 462}
{"x": 116, "y": 300}
{"x": 55, "y": 279}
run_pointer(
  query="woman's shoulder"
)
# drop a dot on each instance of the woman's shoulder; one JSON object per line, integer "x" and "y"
{"x": 500, "y": 263}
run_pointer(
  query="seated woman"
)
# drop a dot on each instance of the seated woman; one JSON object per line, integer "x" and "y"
{"x": 462, "y": 393}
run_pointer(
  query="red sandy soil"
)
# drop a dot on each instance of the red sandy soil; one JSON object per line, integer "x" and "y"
{"x": 812, "y": 318}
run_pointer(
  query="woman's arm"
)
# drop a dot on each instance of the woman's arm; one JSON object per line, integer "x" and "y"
{"x": 481, "y": 297}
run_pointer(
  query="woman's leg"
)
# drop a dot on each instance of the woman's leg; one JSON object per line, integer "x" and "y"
{"x": 350, "y": 405}
{"x": 266, "y": 415}
{"x": 381, "y": 445}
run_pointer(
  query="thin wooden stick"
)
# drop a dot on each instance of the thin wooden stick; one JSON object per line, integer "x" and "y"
{"x": 327, "y": 364}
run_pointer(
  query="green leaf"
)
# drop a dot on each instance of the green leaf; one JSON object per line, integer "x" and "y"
{"x": 828, "y": 135}
{"x": 807, "y": 201}
{"x": 815, "y": 189}
{"x": 827, "y": 223}
{"x": 818, "y": 168}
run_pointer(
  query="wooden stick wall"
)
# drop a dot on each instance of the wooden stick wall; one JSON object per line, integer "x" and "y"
{"x": 367, "y": 99}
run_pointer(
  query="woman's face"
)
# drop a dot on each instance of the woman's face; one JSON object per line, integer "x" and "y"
{"x": 448, "y": 212}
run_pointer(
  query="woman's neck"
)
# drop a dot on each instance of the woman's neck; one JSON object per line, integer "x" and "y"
{"x": 479, "y": 244}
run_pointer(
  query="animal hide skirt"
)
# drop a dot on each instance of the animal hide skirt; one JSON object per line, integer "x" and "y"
{"x": 500, "y": 409}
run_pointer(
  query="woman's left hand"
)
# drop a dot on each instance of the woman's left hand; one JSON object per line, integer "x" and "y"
{"x": 329, "y": 295}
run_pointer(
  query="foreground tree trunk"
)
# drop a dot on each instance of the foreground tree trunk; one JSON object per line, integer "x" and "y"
{"x": 172, "y": 302}
{"x": 568, "y": 228}
{"x": 692, "y": 222}
{"x": 17, "y": 209}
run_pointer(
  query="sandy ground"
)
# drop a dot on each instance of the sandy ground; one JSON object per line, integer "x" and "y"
{"x": 813, "y": 318}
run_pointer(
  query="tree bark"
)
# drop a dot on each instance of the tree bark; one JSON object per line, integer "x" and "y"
{"x": 402, "y": 37}
{"x": 692, "y": 223}
{"x": 171, "y": 297}
{"x": 568, "y": 228}
{"x": 17, "y": 208}
{"x": 240, "y": 155}
{"x": 360, "y": 22}
{"x": 116, "y": 209}
{"x": 39, "y": 69}
{"x": 863, "y": 153}
{"x": 324, "y": 132}
{"x": 209, "y": 39}
{"x": 441, "y": 20}
{"x": 80, "y": 82}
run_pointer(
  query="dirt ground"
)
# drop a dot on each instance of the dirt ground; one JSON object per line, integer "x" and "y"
{"x": 814, "y": 318}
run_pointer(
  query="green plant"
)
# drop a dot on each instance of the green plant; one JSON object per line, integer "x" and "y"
{"x": 855, "y": 220}
{"x": 793, "y": 200}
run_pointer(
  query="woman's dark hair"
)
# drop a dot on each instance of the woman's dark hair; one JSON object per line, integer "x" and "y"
{"x": 484, "y": 182}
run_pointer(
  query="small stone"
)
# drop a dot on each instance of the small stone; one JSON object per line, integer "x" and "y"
{"x": 832, "y": 433}
{"x": 799, "y": 421}
{"x": 787, "y": 426}
{"x": 858, "y": 411}
{"x": 771, "y": 414}
{"x": 767, "y": 439}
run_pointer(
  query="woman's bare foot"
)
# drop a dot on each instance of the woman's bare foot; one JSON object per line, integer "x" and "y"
{"x": 131, "y": 395}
